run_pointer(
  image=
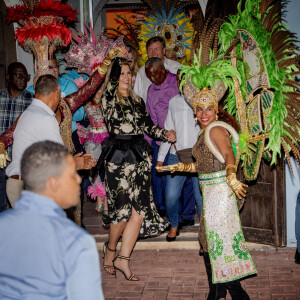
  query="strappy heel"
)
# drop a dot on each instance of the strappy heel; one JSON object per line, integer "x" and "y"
{"x": 104, "y": 253}
{"x": 131, "y": 277}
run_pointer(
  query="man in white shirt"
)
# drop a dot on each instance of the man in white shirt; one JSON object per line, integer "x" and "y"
{"x": 156, "y": 47}
{"x": 179, "y": 118}
{"x": 37, "y": 123}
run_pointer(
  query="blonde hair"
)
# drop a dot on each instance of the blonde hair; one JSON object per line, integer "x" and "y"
{"x": 135, "y": 68}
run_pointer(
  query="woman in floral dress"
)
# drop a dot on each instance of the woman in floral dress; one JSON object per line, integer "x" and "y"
{"x": 127, "y": 168}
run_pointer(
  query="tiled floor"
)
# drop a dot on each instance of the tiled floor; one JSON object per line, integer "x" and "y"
{"x": 180, "y": 274}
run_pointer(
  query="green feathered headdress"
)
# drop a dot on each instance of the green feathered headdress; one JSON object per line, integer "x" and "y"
{"x": 278, "y": 50}
{"x": 206, "y": 85}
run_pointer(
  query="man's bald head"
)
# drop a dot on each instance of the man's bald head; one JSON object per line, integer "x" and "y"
{"x": 155, "y": 70}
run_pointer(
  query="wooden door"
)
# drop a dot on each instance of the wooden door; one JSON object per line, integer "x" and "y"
{"x": 263, "y": 216}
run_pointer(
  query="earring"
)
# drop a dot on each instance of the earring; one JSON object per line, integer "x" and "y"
{"x": 217, "y": 117}
{"x": 196, "y": 119}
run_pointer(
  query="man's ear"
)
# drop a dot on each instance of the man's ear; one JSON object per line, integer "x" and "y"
{"x": 164, "y": 51}
{"x": 7, "y": 77}
{"x": 52, "y": 184}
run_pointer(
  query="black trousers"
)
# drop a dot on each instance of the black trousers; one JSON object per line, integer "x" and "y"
{"x": 219, "y": 290}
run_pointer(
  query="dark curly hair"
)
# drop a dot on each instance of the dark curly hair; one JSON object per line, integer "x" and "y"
{"x": 224, "y": 116}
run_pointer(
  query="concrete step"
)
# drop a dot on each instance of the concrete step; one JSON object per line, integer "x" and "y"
{"x": 186, "y": 240}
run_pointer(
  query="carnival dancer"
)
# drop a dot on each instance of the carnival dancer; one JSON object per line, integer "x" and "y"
{"x": 226, "y": 256}
{"x": 92, "y": 137}
{"x": 127, "y": 169}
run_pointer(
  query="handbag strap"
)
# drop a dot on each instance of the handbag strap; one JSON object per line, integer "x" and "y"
{"x": 174, "y": 147}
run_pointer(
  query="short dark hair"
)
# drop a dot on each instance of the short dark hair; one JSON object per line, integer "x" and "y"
{"x": 12, "y": 66}
{"x": 41, "y": 161}
{"x": 156, "y": 39}
{"x": 46, "y": 84}
{"x": 154, "y": 61}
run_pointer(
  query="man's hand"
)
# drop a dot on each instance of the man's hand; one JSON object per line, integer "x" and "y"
{"x": 84, "y": 162}
{"x": 159, "y": 164}
{"x": 171, "y": 136}
{"x": 3, "y": 156}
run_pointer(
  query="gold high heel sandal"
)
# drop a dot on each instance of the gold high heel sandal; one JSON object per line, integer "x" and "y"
{"x": 108, "y": 266}
{"x": 131, "y": 277}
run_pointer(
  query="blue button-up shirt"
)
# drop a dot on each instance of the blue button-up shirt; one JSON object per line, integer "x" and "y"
{"x": 11, "y": 108}
{"x": 44, "y": 255}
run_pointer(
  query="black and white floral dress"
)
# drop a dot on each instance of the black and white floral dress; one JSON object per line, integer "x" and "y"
{"x": 126, "y": 161}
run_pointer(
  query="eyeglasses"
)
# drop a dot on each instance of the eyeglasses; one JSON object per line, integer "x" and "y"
{"x": 21, "y": 76}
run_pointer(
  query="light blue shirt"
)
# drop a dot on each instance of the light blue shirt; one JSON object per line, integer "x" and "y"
{"x": 44, "y": 255}
{"x": 72, "y": 75}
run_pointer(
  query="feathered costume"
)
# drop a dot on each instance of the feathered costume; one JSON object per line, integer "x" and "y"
{"x": 43, "y": 29}
{"x": 168, "y": 21}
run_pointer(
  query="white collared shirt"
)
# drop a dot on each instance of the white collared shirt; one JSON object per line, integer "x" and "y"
{"x": 180, "y": 118}
{"x": 142, "y": 82}
{"x": 37, "y": 123}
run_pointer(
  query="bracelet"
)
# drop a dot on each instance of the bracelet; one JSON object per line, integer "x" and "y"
{"x": 231, "y": 166}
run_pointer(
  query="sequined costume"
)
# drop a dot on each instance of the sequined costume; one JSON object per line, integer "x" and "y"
{"x": 221, "y": 236}
{"x": 95, "y": 133}
{"x": 126, "y": 159}
{"x": 92, "y": 137}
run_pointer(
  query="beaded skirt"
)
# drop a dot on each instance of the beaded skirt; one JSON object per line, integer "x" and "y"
{"x": 229, "y": 256}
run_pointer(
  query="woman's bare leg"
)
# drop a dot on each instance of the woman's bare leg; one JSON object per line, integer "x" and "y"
{"x": 130, "y": 235}
{"x": 115, "y": 231}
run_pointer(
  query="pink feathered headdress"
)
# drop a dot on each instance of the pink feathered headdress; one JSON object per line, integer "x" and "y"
{"x": 87, "y": 52}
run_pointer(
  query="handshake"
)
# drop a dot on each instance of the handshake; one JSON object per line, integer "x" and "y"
{"x": 180, "y": 167}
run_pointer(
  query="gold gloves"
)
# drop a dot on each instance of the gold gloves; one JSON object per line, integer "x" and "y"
{"x": 3, "y": 156}
{"x": 180, "y": 167}
{"x": 118, "y": 51}
{"x": 236, "y": 186}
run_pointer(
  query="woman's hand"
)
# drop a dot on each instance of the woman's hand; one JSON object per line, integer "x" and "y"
{"x": 102, "y": 69}
{"x": 236, "y": 186}
{"x": 171, "y": 136}
{"x": 180, "y": 167}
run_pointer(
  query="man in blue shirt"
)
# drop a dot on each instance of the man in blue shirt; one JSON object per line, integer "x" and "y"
{"x": 44, "y": 255}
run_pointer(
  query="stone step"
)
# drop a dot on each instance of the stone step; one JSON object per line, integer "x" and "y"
{"x": 186, "y": 240}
